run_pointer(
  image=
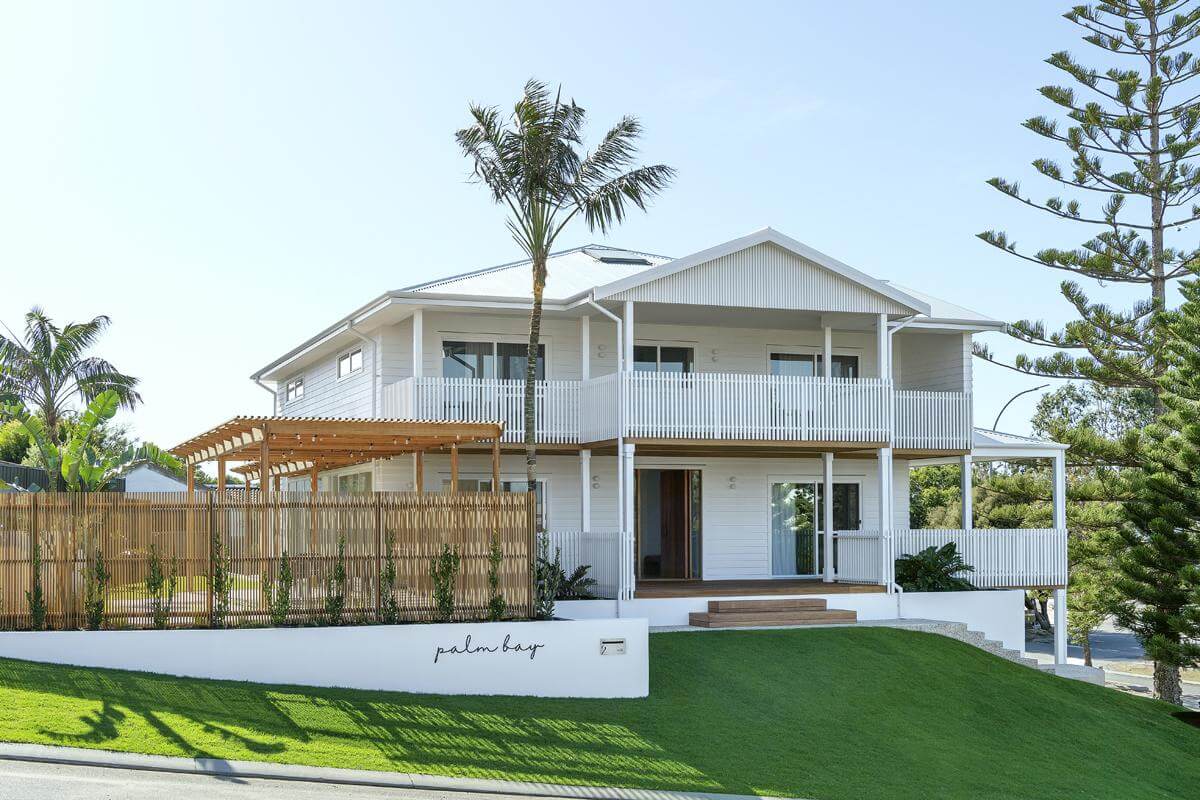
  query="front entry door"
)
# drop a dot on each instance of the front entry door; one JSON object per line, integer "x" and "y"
{"x": 668, "y": 523}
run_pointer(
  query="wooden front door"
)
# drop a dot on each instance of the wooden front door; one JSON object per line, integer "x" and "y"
{"x": 668, "y": 523}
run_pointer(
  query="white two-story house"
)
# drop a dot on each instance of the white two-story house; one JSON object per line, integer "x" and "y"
{"x": 745, "y": 414}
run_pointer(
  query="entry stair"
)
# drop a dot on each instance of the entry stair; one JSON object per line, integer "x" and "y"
{"x": 775, "y": 612}
{"x": 788, "y": 612}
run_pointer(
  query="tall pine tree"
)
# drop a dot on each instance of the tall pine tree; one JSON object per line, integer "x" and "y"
{"x": 1159, "y": 563}
{"x": 1130, "y": 127}
{"x": 1131, "y": 130}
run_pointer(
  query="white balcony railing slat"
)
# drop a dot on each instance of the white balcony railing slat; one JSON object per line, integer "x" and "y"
{"x": 698, "y": 406}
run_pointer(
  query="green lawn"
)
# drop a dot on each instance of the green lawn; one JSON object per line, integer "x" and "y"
{"x": 827, "y": 713}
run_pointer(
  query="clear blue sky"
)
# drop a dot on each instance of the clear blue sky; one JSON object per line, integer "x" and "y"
{"x": 223, "y": 179}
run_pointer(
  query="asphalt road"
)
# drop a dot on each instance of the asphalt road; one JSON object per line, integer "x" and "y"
{"x": 33, "y": 781}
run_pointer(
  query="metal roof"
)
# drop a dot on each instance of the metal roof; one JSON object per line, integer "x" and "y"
{"x": 568, "y": 273}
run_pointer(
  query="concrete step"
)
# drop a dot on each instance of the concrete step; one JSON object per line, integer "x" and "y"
{"x": 782, "y": 604}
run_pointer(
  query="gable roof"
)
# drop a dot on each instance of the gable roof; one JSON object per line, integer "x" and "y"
{"x": 764, "y": 236}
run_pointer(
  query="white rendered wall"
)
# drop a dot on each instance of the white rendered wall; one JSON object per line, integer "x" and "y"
{"x": 998, "y": 615}
{"x": 462, "y": 658}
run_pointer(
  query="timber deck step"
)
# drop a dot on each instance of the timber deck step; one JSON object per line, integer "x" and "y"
{"x": 756, "y": 613}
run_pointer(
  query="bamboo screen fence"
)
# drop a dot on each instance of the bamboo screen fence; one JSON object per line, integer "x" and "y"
{"x": 253, "y": 535}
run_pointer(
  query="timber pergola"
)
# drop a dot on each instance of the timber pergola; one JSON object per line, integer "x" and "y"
{"x": 281, "y": 447}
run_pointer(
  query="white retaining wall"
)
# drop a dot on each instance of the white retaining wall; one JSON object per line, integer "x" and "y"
{"x": 543, "y": 659}
{"x": 999, "y": 615}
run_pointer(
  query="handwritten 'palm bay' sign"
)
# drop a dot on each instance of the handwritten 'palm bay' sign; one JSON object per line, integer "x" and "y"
{"x": 468, "y": 647}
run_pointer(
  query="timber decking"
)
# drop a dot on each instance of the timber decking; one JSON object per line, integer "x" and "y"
{"x": 650, "y": 589}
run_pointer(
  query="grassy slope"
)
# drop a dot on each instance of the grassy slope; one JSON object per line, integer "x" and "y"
{"x": 831, "y": 713}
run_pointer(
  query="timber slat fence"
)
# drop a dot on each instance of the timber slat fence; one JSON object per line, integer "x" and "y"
{"x": 70, "y": 528}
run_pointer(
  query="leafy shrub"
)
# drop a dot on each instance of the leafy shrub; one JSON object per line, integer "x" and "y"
{"x": 335, "y": 587}
{"x": 36, "y": 596}
{"x": 549, "y": 577}
{"x": 222, "y": 582}
{"x": 576, "y": 586}
{"x": 389, "y": 609}
{"x": 160, "y": 587}
{"x": 278, "y": 594}
{"x": 934, "y": 569}
{"x": 497, "y": 605}
{"x": 96, "y": 584}
{"x": 443, "y": 568}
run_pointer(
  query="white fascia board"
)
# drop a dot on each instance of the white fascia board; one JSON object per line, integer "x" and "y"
{"x": 759, "y": 237}
{"x": 398, "y": 298}
{"x": 957, "y": 325}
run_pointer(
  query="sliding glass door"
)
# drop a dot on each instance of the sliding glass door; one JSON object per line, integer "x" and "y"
{"x": 794, "y": 529}
{"x": 797, "y": 544}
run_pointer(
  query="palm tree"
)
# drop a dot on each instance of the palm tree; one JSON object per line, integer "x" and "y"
{"x": 50, "y": 367}
{"x": 534, "y": 164}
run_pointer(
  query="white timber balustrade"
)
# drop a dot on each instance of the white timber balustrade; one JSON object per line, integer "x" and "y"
{"x": 933, "y": 420}
{"x": 771, "y": 407}
{"x": 492, "y": 400}
{"x": 697, "y": 406}
{"x": 858, "y": 556}
{"x": 1002, "y": 557}
{"x": 599, "y": 551}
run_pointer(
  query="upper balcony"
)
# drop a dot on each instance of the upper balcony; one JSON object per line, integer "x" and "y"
{"x": 700, "y": 407}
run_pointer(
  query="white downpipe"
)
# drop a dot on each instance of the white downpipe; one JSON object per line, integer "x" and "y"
{"x": 374, "y": 369}
{"x": 621, "y": 487}
{"x": 274, "y": 395}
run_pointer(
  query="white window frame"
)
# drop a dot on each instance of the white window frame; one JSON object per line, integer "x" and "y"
{"x": 337, "y": 362}
{"x": 289, "y": 388}
{"x": 659, "y": 344}
{"x": 487, "y": 476}
{"x": 817, "y": 480}
{"x": 811, "y": 350}
{"x": 493, "y": 339}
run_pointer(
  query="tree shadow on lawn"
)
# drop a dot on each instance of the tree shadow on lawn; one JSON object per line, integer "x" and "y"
{"x": 822, "y": 713}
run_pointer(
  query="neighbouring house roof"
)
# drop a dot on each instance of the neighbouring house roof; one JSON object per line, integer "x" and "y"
{"x": 150, "y": 465}
{"x": 294, "y": 445}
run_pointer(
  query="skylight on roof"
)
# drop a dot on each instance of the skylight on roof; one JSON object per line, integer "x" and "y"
{"x": 616, "y": 256}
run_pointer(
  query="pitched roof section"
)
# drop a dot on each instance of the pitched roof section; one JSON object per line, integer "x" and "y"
{"x": 945, "y": 311}
{"x": 764, "y": 270}
{"x": 569, "y": 273}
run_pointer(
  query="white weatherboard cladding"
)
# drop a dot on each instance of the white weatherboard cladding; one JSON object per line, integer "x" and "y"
{"x": 763, "y": 276}
{"x": 324, "y": 394}
{"x": 934, "y": 361}
{"x": 735, "y": 503}
{"x": 471, "y": 658}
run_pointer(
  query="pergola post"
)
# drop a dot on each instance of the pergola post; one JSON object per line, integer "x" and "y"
{"x": 495, "y": 466}
{"x": 221, "y": 474}
{"x": 264, "y": 488}
{"x": 419, "y": 471}
{"x": 191, "y": 480}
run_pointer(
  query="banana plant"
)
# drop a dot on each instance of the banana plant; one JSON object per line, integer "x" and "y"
{"x": 76, "y": 462}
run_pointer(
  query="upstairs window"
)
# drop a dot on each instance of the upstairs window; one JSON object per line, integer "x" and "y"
{"x": 655, "y": 358}
{"x": 504, "y": 360}
{"x": 294, "y": 390}
{"x": 807, "y": 365}
{"x": 349, "y": 362}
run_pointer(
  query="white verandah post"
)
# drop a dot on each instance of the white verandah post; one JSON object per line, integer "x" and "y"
{"x": 625, "y": 461}
{"x": 966, "y": 482}
{"x": 1060, "y": 523}
{"x": 827, "y": 516}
